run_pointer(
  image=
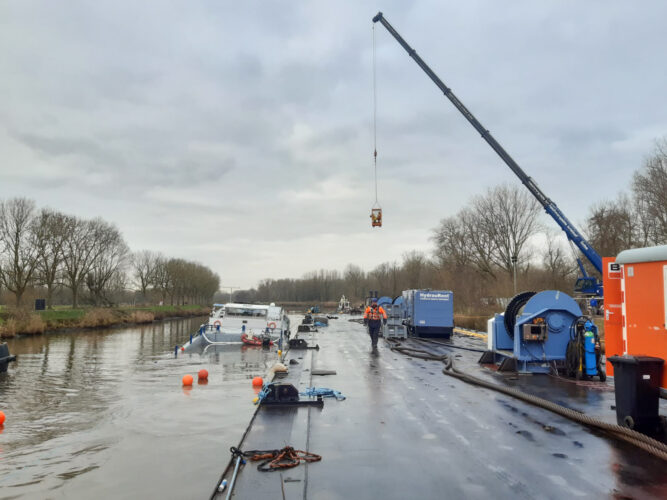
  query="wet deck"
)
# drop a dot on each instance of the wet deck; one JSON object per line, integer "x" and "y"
{"x": 408, "y": 431}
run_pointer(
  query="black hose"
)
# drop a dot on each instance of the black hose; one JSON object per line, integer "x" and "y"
{"x": 512, "y": 311}
{"x": 444, "y": 344}
{"x": 646, "y": 443}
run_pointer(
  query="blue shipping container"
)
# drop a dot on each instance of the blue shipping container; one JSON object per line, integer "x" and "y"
{"x": 429, "y": 313}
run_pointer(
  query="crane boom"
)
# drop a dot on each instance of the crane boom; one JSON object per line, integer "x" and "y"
{"x": 551, "y": 208}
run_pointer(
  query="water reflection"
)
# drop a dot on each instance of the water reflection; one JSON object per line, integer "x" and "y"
{"x": 86, "y": 409}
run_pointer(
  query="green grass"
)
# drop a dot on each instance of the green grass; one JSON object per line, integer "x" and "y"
{"x": 57, "y": 315}
{"x": 66, "y": 317}
{"x": 164, "y": 309}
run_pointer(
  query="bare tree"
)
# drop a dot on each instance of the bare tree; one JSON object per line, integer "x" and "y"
{"x": 162, "y": 280}
{"x": 19, "y": 257}
{"x": 109, "y": 260}
{"x": 451, "y": 246}
{"x": 51, "y": 229}
{"x": 81, "y": 250}
{"x": 611, "y": 227}
{"x": 650, "y": 190}
{"x": 510, "y": 215}
{"x": 355, "y": 282}
{"x": 479, "y": 238}
{"x": 557, "y": 263}
{"x": 415, "y": 265}
{"x": 144, "y": 266}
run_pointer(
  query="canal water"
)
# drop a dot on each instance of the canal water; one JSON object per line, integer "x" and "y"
{"x": 102, "y": 413}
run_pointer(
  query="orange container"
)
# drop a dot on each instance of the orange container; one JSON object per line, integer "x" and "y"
{"x": 643, "y": 304}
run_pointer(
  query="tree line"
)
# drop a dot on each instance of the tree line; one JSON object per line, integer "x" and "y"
{"x": 497, "y": 235}
{"x": 45, "y": 251}
{"x": 477, "y": 252}
{"x": 637, "y": 218}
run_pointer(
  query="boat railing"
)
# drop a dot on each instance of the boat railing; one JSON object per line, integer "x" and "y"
{"x": 208, "y": 328}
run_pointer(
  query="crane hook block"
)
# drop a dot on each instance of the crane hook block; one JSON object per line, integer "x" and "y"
{"x": 376, "y": 217}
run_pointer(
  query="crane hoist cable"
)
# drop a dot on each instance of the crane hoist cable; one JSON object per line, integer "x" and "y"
{"x": 376, "y": 209}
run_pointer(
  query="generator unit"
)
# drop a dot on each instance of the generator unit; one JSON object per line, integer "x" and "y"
{"x": 429, "y": 313}
{"x": 533, "y": 333}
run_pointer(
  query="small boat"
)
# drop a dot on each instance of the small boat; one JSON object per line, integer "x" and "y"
{"x": 344, "y": 305}
{"x": 235, "y": 318}
{"x": 263, "y": 340}
{"x": 228, "y": 322}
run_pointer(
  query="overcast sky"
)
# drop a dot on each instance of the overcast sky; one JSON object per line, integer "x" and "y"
{"x": 239, "y": 134}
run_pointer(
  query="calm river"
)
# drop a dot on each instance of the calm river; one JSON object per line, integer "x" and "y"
{"x": 102, "y": 414}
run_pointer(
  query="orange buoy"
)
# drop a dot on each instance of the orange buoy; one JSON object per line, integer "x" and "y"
{"x": 188, "y": 379}
{"x": 257, "y": 381}
{"x": 2, "y": 418}
{"x": 203, "y": 374}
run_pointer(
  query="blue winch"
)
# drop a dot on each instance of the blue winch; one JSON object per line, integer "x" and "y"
{"x": 536, "y": 333}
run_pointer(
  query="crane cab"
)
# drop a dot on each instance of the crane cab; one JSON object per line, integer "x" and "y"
{"x": 376, "y": 217}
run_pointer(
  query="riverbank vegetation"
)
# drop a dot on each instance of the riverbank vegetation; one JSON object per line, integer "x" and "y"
{"x": 84, "y": 275}
{"x": 66, "y": 260}
{"x": 19, "y": 321}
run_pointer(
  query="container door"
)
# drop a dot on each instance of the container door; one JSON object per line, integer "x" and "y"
{"x": 613, "y": 310}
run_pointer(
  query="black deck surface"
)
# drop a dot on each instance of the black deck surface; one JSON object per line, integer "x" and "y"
{"x": 408, "y": 431}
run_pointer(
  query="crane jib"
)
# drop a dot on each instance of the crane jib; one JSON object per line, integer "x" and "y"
{"x": 570, "y": 231}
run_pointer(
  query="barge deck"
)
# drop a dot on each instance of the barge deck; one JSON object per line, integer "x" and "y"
{"x": 408, "y": 431}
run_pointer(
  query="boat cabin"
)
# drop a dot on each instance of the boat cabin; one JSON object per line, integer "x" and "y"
{"x": 256, "y": 318}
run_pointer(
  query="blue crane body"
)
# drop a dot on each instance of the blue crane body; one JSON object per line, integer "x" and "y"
{"x": 588, "y": 285}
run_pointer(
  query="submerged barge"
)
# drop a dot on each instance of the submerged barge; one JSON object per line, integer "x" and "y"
{"x": 405, "y": 430}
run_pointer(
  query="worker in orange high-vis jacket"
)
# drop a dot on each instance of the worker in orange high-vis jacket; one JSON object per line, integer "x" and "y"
{"x": 374, "y": 316}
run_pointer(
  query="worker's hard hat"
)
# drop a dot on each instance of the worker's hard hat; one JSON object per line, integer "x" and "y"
{"x": 374, "y": 301}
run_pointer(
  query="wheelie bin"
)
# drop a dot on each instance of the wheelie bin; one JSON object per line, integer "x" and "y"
{"x": 637, "y": 388}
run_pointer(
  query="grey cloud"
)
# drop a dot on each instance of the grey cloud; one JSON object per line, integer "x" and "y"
{"x": 239, "y": 117}
{"x": 67, "y": 146}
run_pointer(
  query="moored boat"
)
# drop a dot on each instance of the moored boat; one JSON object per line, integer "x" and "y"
{"x": 229, "y": 322}
{"x": 263, "y": 340}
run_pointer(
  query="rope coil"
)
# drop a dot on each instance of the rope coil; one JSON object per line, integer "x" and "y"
{"x": 273, "y": 460}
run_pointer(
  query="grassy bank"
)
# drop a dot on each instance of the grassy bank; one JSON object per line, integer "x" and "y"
{"x": 21, "y": 322}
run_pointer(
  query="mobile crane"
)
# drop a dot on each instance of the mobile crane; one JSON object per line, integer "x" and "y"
{"x": 586, "y": 285}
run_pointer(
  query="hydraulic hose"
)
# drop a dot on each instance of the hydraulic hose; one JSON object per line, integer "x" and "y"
{"x": 654, "y": 447}
{"x": 513, "y": 309}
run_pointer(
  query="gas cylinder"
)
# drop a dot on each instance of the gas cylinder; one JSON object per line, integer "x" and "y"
{"x": 590, "y": 359}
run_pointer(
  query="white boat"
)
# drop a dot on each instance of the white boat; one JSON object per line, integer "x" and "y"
{"x": 228, "y": 322}
{"x": 343, "y": 305}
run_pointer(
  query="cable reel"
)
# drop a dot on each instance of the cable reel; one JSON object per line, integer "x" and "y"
{"x": 513, "y": 309}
